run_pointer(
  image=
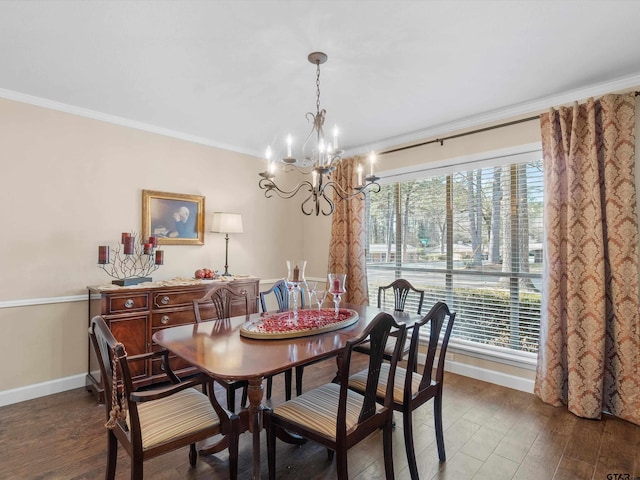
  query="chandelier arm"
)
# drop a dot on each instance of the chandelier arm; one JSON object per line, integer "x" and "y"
{"x": 329, "y": 202}
{"x": 318, "y": 196}
{"x": 270, "y": 188}
{"x": 316, "y": 204}
{"x": 373, "y": 187}
{"x": 304, "y": 170}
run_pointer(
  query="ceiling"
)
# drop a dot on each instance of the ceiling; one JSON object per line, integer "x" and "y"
{"x": 234, "y": 74}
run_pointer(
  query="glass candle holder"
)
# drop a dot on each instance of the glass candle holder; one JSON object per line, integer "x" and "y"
{"x": 337, "y": 288}
{"x": 295, "y": 277}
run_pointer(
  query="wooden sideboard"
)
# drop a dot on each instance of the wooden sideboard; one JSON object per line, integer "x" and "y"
{"x": 135, "y": 314}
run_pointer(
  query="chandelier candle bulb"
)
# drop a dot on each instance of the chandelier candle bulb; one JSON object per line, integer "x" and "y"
{"x": 272, "y": 165}
{"x": 335, "y": 137}
{"x": 359, "y": 175}
{"x": 314, "y": 179}
{"x": 289, "y": 142}
{"x": 372, "y": 160}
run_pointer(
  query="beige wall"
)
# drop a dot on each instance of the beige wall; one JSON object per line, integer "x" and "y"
{"x": 69, "y": 184}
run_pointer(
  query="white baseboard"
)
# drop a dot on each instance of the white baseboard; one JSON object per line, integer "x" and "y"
{"x": 76, "y": 381}
{"x": 491, "y": 376}
{"x": 43, "y": 389}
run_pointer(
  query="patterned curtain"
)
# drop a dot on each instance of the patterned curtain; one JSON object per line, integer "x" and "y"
{"x": 589, "y": 355}
{"x": 348, "y": 235}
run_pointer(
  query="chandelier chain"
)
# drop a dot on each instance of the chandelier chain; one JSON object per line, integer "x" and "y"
{"x": 318, "y": 87}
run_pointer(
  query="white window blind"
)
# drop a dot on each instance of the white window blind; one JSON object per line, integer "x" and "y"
{"x": 471, "y": 238}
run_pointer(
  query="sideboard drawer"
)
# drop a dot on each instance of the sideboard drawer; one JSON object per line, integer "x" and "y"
{"x": 168, "y": 298}
{"x": 127, "y": 303}
{"x": 172, "y": 318}
{"x": 244, "y": 286}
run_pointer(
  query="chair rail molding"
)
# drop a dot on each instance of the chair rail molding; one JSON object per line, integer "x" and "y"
{"x": 27, "y": 302}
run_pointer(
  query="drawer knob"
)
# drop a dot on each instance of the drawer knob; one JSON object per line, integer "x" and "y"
{"x": 164, "y": 320}
{"x": 165, "y": 300}
{"x": 243, "y": 292}
{"x": 129, "y": 303}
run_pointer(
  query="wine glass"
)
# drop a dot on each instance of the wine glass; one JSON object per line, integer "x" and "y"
{"x": 337, "y": 288}
{"x": 320, "y": 297}
{"x": 311, "y": 290}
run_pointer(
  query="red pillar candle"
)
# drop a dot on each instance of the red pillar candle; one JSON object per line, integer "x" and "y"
{"x": 296, "y": 274}
{"x": 336, "y": 286}
{"x": 125, "y": 235}
{"x": 103, "y": 254}
{"x": 148, "y": 248}
{"x": 153, "y": 241}
{"x": 128, "y": 245}
{"x": 159, "y": 257}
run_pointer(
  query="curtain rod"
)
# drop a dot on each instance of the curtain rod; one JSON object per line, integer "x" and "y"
{"x": 451, "y": 137}
{"x": 480, "y": 130}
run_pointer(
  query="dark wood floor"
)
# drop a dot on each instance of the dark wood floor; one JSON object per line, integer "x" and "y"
{"x": 491, "y": 432}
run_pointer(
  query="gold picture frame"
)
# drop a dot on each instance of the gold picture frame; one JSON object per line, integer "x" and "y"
{"x": 174, "y": 218}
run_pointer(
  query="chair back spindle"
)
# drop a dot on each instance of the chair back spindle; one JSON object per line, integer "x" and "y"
{"x": 401, "y": 289}
{"x": 221, "y": 299}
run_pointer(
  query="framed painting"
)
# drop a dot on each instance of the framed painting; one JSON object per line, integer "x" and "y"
{"x": 175, "y": 219}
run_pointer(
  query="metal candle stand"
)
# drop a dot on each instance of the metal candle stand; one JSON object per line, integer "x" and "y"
{"x": 131, "y": 262}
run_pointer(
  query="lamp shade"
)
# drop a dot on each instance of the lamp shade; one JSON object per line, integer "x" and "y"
{"x": 226, "y": 223}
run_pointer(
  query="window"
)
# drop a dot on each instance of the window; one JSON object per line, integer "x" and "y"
{"x": 470, "y": 236}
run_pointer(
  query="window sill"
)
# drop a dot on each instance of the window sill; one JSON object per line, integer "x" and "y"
{"x": 525, "y": 360}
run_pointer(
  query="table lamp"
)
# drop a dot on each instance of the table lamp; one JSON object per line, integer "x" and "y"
{"x": 226, "y": 223}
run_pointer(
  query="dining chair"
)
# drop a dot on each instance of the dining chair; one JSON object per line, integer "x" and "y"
{"x": 220, "y": 299}
{"x": 413, "y": 386}
{"x": 280, "y": 291}
{"x": 149, "y": 423}
{"x": 336, "y": 416}
{"x": 402, "y": 290}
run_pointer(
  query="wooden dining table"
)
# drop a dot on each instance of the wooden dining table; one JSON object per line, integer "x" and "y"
{"x": 218, "y": 349}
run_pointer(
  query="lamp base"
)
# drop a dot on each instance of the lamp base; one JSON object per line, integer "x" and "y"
{"x": 126, "y": 282}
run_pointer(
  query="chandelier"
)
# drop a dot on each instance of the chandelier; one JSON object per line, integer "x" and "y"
{"x": 319, "y": 159}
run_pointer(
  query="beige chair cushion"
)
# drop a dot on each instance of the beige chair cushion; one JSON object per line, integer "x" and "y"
{"x": 317, "y": 409}
{"x": 389, "y": 346}
{"x": 359, "y": 382}
{"x": 180, "y": 414}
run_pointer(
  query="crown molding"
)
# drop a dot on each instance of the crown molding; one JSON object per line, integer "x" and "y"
{"x": 124, "y": 122}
